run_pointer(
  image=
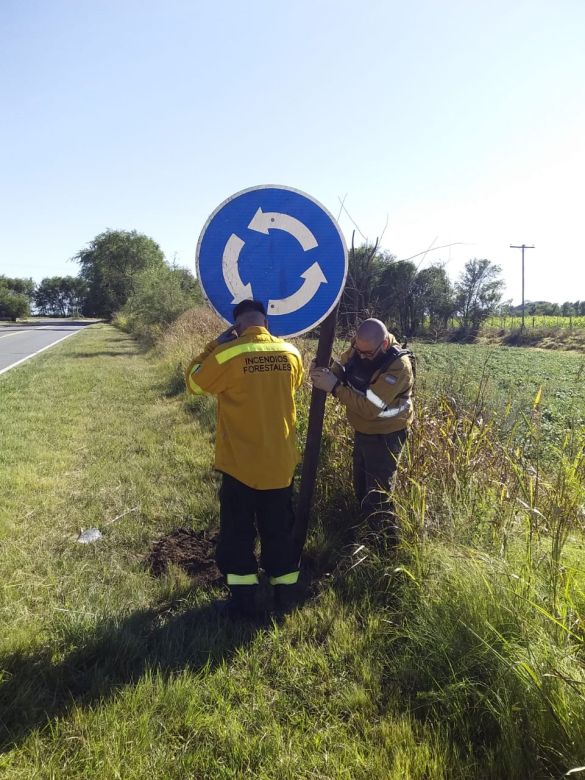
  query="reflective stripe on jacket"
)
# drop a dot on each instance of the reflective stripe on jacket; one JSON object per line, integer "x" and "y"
{"x": 254, "y": 377}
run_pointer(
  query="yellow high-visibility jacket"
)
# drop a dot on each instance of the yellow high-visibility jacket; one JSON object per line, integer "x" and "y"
{"x": 386, "y": 406}
{"x": 255, "y": 378}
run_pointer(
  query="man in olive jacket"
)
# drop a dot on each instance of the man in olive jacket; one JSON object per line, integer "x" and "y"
{"x": 374, "y": 381}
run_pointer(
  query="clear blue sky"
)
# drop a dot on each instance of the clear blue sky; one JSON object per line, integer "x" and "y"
{"x": 451, "y": 120}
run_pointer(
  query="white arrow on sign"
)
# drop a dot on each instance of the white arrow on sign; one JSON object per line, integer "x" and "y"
{"x": 314, "y": 278}
{"x": 262, "y": 221}
{"x": 231, "y": 273}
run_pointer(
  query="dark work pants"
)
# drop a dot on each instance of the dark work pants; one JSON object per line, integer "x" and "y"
{"x": 375, "y": 459}
{"x": 243, "y": 510}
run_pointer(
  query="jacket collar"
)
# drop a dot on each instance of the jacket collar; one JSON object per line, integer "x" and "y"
{"x": 255, "y": 330}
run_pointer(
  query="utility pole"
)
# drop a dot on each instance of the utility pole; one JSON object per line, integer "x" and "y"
{"x": 522, "y": 247}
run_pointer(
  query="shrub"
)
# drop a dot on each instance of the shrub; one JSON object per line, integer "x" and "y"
{"x": 13, "y": 305}
{"x": 160, "y": 295}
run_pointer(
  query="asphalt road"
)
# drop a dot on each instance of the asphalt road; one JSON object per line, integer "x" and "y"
{"x": 25, "y": 340}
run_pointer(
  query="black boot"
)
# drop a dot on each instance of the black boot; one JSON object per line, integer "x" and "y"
{"x": 242, "y": 602}
{"x": 286, "y": 598}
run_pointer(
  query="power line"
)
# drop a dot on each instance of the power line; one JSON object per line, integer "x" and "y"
{"x": 522, "y": 247}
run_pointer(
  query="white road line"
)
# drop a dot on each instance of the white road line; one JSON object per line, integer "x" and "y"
{"x": 38, "y": 352}
{"x": 16, "y": 332}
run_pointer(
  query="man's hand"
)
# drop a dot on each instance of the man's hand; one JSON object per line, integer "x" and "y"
{"x": 228, "y": 335}
{"x": 323, "y": 379}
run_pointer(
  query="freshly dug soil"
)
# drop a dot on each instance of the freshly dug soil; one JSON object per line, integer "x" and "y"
{"x": 192, "y": 551}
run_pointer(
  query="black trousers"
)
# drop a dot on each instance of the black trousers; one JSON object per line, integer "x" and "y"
{"x": 375, "y": 459}
{"x": 244, "y": 511}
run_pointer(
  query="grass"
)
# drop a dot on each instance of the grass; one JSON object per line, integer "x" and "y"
{"x": 461, "y": 658}
{"x": 496, "y": 377}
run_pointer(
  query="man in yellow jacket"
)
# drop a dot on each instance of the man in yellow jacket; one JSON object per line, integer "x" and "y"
{"x": 254, "y": 375}
{"x": 374, "y": 381}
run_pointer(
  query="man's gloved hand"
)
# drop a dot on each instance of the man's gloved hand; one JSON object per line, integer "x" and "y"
{"x": 323, "y": 378}
{"x": 228, "y": 335}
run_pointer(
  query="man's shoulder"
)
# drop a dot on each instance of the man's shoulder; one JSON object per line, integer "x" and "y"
{"x": 396, "y": 354}
{"x": 398, "y": 361}
{"x": 286, "y": 346}
{"x": 254, "y": 342}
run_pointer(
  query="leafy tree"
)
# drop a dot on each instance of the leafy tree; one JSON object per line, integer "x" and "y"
{"x": 109, "y": 266}
{"x": 18, "y": 286}
{"x": 360, "y": 297}
{"x": 505, "y": 309}
{"x": 379, "y": 285}
{"x": 15, "y": 297}
{"x": 395, "y": 295}
{"x": 546, "y": 308}
{"x": 60, "y": 296}
{"x": 478, "y": 290}
{"x": 13, "y": 305}
{"x": 432, "y": 298}
{"x": 188, "y": 283}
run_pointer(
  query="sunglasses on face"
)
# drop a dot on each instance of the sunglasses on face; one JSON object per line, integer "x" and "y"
{"x": 369, "y": 353}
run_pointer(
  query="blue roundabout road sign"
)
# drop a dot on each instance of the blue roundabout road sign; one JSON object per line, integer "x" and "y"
{"x": 278, "y": 245}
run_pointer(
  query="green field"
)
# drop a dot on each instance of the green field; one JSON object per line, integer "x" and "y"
{"x": 538, "y": 321}
{"x": 493, "y": 378}
{"x": 462, "y": 657}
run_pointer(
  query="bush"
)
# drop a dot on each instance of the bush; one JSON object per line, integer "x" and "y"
{"x": 13, "y": 305}
{"x": 160, "y": 295}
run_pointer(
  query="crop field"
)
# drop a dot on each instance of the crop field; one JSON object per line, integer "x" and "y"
{"x": 540, "y": 322}
{"x": 460, "y": 656}
{"x": 493, "y": 378}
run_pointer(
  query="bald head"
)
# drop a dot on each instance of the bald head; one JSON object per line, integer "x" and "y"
{"x": 372, "y": 337}
{"x": 371, "y": 330}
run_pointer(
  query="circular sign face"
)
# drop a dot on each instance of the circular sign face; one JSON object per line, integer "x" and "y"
{"x": 279, "y": 246}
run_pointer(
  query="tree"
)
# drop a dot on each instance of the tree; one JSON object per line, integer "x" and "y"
{"x": 395, "y": 295}
{"x": 380, "y": 286}
{"x": 360, "y": 297}
{"x": 432, "y": 298}
{"x": 478, "y": 290}
{"x": 109, "y": 267}
{"x": 13, "y": 305}
{"x": 15, "y": 297}
{"x": 19, "y": 286}
{"x": 60, "y": 296}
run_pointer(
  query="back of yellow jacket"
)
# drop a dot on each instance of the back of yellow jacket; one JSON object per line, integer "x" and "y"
{"x": 255, "y": 378}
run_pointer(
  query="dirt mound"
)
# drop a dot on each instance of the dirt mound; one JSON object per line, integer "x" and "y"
{"x": 192, "y": 551}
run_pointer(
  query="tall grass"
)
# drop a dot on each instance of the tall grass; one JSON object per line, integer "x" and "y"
{"x": 460, "y": 656}
{"x": 491, "y": 638}
{"x": 484, "y": 606}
